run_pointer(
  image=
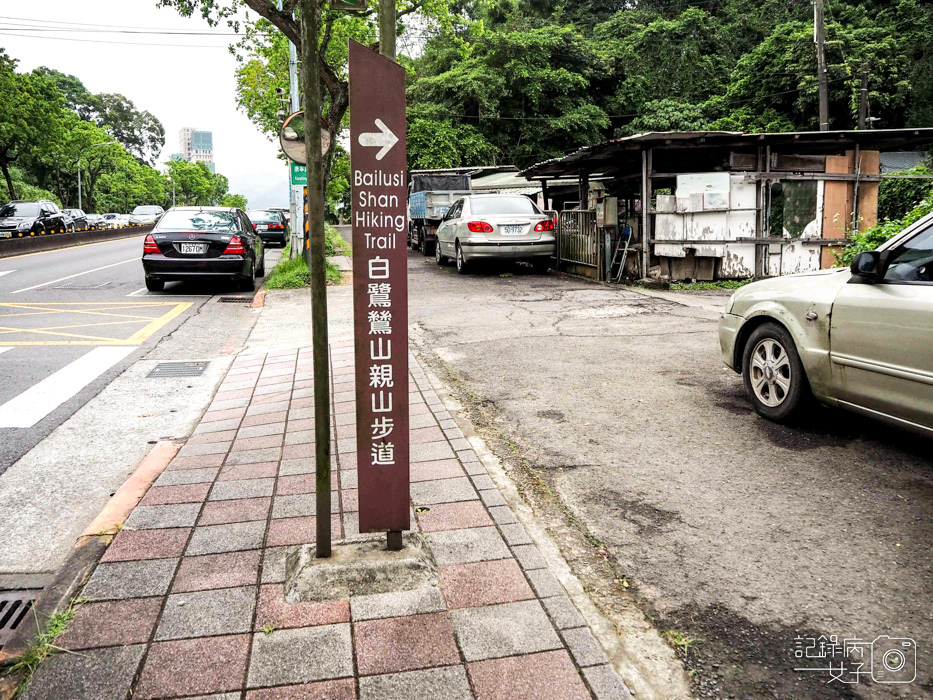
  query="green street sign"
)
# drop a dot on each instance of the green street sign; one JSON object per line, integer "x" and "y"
{"x": 348, "y": 5}
{"x": 299, "y": 175}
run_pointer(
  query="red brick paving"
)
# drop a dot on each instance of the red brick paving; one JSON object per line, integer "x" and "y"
{"x": 343, "y": 689}
{"x": 546, "y": 676}
{"x": 217, "y": 571}
{"x": 147, "y": 544}
{"x": 484, "y": 583}
{"x": 116, "y": 623}
{"x": 404, "y": 643}
{"x": 235, "y": 511}
{"x": 275, "y": 611}
{"x": 194, "y": 666}
{"x": 165, "y": 495}
{"x": 260, "y": 470}
{"x": 453, "y": 516}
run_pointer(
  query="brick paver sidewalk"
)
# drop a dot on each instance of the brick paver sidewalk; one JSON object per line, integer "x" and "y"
{"x": 188, "y": 599}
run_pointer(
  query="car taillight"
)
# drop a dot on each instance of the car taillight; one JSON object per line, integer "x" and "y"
{"x": 276, "y": 227}
{"x": 479, "y": 227}
{"x": 544, "y": 225}
{"x": 150, "y": 246}
{"x": 235, "y": 247}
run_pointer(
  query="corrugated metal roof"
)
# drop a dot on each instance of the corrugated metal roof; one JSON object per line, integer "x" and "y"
{"x": 610, "y": 153}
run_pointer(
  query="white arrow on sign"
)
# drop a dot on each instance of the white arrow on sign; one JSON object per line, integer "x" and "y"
{"x": 383, "y": 138}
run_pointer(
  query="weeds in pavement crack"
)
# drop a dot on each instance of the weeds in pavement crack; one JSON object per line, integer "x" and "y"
{"x": 42, "y": 646}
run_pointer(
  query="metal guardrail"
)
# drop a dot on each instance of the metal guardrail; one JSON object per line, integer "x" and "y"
{"x": 578, "y": 239}
{"x": 11, "y": 247}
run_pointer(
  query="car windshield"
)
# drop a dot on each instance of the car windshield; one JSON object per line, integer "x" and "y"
{"x": 263, "y": 215}
{"x": 144, "y": 211}
{"x": 20, "y": 209}
{"x": 503, "y": 205}
{"x": 198, "y": 221}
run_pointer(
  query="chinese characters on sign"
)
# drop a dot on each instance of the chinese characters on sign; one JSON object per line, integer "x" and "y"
{"x": 884, "y": 660}
{"x": 380, "y": 288}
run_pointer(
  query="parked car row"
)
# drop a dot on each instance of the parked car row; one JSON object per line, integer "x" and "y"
{"x": 19, "y": 219}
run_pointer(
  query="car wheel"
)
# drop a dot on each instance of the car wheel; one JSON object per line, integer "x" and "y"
{"x": 154, "y": 285}
{"x": 426, "y": 247}
{"x": 261, "y": 270}
{"x": 775, "y": 380}
{"x": 439, "y": 257}
{"x": 461, "y": 261}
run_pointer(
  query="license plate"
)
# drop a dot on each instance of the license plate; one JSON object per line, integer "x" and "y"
{"x": 262, "y": 227}
{"x": 192, "y": 248}
{"x": 514, "y": 230}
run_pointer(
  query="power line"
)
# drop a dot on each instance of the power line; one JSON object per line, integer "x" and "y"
{"x": 122, "y": 43}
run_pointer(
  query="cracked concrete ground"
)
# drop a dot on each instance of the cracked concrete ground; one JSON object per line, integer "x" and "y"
{"x": 727, "y": 528}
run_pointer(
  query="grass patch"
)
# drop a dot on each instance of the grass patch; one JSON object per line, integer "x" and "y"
{"x": 681, "y": 641}
{"x": 294, "y": 273}
{"x": 43, "y": 645}
{"x": 708, "y": 286}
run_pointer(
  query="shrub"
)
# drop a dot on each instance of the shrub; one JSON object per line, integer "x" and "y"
{"x": 883, "y": 231}
{"x": 294, "y": 274}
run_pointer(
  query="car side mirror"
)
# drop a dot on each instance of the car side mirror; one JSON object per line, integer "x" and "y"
{"x": 868, "y": 267}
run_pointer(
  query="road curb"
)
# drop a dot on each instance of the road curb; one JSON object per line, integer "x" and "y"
{"x": 85, "y": 555}
{"x": 260, "y": 299}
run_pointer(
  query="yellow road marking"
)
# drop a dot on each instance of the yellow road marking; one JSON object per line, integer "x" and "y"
{"x": 139, "y": 336}
{"x": 67, "y": 335}
{"x": 154, "y": 323}
{"x": 55, "y": 328}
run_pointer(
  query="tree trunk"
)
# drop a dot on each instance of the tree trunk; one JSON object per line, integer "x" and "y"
{"x": 5, "y": 167}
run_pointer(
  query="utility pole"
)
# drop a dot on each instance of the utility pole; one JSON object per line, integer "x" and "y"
{"x": 863, "y": 98}
{"x": 819, "y": 37}
{"x": 387, "y": 28}
{"x": 310, "y": 30}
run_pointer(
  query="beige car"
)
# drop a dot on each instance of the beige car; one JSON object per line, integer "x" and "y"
{"x": 858, "y": 338}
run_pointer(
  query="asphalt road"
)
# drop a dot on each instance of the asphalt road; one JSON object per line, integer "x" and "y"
{"x": 58, "y": 306}
{"x": 79, "y": 336}
{"x": 731, "y": 530}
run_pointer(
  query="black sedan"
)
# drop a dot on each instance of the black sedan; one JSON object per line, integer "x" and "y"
{"x": 78, "y": 218}
{"x": 203, "y": 243}
{"x": 19, "y": 219}
{"x": 270, "y": 224}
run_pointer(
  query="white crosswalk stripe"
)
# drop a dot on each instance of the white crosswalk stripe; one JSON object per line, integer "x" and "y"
{"x": 34, "y": 404}
{"x": 4, "y": 349}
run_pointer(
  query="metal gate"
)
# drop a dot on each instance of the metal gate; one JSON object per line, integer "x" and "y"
{"x": 578, "y": 239}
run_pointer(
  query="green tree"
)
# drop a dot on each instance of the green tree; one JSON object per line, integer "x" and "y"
{"x": 265, "y": 54}
{"x": 233, "y": 200}
{"x": 28, "y": 119}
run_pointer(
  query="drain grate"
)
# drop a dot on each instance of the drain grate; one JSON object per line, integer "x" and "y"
{"x": 178, "y": 369}
{"x": 235, "y": 300}
{"x": 14, "y": 606}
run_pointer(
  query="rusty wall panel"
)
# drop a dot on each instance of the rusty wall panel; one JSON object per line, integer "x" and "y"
{"x": 837, "y": 204}
{"x": 868, "y": 191}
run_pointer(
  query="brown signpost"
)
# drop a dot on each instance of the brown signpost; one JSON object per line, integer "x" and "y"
{"x": 380, "y": 290}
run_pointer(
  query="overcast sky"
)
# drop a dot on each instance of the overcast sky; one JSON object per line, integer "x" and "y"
{"x": 182, "y": 80}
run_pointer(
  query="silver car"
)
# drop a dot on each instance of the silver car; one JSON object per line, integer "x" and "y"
{"x": 145, "y": 215}
{"x": 859, "y": 338}
{"x": 495, "y": 226}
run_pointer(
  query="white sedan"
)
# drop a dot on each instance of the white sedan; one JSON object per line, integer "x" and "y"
{"x": 495, "y": 226}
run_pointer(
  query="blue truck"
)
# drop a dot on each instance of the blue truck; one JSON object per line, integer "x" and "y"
{"x": 430, "y": 194}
